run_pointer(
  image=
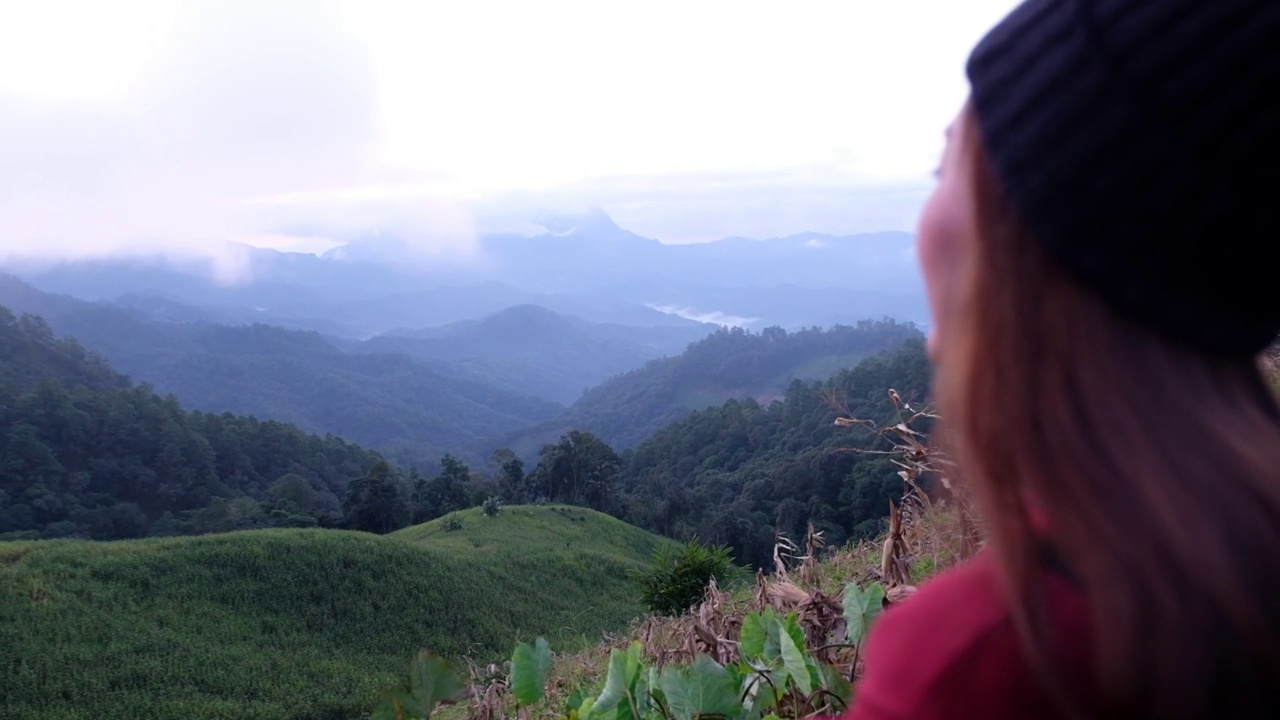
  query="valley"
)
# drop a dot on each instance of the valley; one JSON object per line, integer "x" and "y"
{"x": 266, "y": 494}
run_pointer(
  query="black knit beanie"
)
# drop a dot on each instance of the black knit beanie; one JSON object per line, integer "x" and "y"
{"x": 1140, "y": 142}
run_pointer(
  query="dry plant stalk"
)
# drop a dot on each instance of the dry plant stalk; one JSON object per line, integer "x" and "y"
{"x": 894, "y": 567}
{"x": 714, "y": 626}
{"x": 943, "y": 526}
{"x": 488, "y": 698}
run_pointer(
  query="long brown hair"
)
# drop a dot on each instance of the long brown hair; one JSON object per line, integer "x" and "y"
{"x": 1155, "y": 467}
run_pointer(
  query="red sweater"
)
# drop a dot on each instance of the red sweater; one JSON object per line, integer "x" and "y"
{"x": 950, "y": 651}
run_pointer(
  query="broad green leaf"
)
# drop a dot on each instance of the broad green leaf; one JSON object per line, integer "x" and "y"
{"x": 772, "y": 652}
{"x": 834, "y": 682}
{"x": 624, "y": 671}
{"x": 642, "y": 695}
{"x": 791, "y": 626}
{"x": 738, "y": 672}
{"x": 861, "y": 608}
{"x": 398, "y": 705}
{"x": 793, "y": 659}
{"x": 530, "y": 668}
{"x": 586, "y": 710}
{"x": 655, "y": 688}
{"x": 704, "y": 689}
{"x": 575, "y": 701}
{"x": 432, "y": 682}
{"x": 815, "y": 671}
{"x": 754, "y": 633}
{"x": 760, "y": 687}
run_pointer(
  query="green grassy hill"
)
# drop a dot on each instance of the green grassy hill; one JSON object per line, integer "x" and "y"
{"x": 296, "y": 623}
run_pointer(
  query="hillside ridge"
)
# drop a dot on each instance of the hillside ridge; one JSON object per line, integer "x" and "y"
{"x": 297, "y": 623}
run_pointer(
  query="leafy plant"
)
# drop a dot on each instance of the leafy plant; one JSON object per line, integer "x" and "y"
{"x": 530, "y": 668}
{"x": 491, "y": 507}
{"x": 861, "y": 608}
{"x": 431, "y": 683}
{"x": 678, "y": 576}
{"x": 452, "y": 524}
{"x": 776, "y": 675}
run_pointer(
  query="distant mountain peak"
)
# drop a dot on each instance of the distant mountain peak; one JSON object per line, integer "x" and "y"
{"x": 525, "y": 310}
{"x": 528, "y": 318}
{"x": 591, "y": 221}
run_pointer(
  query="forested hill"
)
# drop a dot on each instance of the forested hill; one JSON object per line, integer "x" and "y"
{"x": 730, "y": 363}
{"x": 397, "y": 404}
{"x": 531, "y": 350}
{"x": 85, "y": 453}
{"x": 738, "y": 473}
{"x": 30, "y": 354}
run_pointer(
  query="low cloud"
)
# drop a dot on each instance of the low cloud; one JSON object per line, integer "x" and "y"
{"x": 260, "y": 122}
{"x": 244, "y": 100}
{"x": 703, "y": 207}
{"x": 714, "y": 316}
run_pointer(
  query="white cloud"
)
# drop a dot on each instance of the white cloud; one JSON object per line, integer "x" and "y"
{"x": 712, "y": 316}
{"x": 151, "y": 124}
{"x": 243, "y": 100}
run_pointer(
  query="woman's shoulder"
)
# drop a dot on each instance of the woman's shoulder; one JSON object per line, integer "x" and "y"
{"x": 951, "y": 650}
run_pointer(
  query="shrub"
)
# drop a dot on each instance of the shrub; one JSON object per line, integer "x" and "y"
{"x": 452, "y": 524}
{"x": 679, "y": 576}
{"x": 491, "y": 507}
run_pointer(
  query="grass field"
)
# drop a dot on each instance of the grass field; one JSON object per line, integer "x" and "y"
{"x": 296, "y": 623}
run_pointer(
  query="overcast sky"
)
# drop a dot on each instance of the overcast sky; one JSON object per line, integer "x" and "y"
{"x": 291, "y": 123}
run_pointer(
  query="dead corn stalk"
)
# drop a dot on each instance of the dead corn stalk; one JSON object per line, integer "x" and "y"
{"x": 943, "y": 526}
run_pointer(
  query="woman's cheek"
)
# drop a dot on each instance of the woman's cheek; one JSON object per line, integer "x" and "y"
{"x": 938, "y": 248}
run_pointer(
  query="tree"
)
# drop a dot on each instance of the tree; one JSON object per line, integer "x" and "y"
{"x": 292, "y": 493}
{"x": 373, "y": 502}
{"x": 83, "y": 452}
{"x": 579, "y": 470}
{"x": 679, "y": 576}
{"x": 512, "y": 487}
{"x": 443, "y": 493}
{"x": 454, "y": 470}
{"x": 294, "y": 503}
{"x": 120, "y": 521}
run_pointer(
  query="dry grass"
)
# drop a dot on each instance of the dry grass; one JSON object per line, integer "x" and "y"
{"x": 928, "y": 530}
{"x": 803, "y": 581}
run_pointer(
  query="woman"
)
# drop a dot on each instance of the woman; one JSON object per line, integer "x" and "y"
{"x": 1099, "y": 256}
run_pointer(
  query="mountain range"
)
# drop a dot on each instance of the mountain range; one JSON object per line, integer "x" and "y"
{"x": 583, "y": 265}
{"x": 413, "y": 410}
{"x": 728, "y": 364}
{"x": 532, "y": 350}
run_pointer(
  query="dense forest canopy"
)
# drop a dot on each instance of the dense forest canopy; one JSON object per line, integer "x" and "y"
{"x": 740, "y": 473}
{"x": 85, "y": 453}
{"x": 409, "y": 409}
{"x": 730, "y": 363}
{"x": 31, "y": 354}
